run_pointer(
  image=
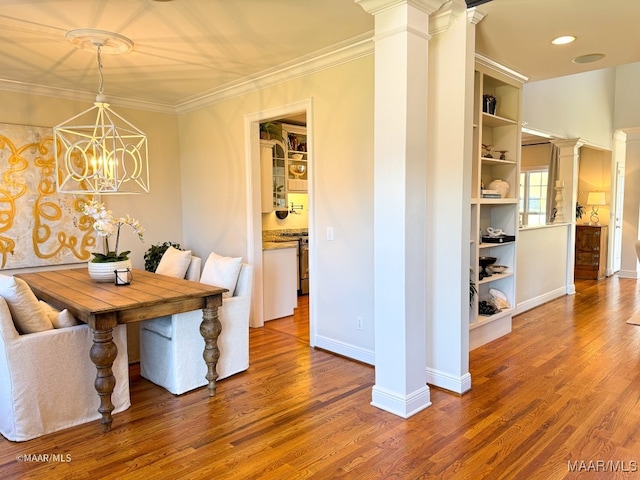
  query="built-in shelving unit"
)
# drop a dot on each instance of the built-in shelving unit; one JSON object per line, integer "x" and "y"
{"x": 499, "y": 130}
{"x": 297, "y": 156}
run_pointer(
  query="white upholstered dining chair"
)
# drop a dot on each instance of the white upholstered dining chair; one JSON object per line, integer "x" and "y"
{"x": 47, "y": 378}
{"x": 171, "y": 347}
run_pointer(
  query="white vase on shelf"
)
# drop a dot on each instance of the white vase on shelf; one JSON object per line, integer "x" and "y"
{"x": 500, "y": 186}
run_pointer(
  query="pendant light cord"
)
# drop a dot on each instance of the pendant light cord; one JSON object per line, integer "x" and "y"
{"x": 100, "y": 78}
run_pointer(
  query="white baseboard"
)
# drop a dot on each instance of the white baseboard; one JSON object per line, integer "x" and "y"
{"x": 345, "y": 349}
{"x": 627, "y": 274}
{"x": 449, "y": 382}
{"x": 402, "y": 405}
{"x": 539, "y": 300}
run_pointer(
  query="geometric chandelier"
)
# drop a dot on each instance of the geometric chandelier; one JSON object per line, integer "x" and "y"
{"x": 98, "y": 151}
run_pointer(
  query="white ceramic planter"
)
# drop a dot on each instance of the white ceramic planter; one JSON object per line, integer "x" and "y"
{"x": 501, "y": 186}
{"x": 104, "y": 272}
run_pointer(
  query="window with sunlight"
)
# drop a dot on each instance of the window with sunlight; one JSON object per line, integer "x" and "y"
{"x": 533, "y": 196}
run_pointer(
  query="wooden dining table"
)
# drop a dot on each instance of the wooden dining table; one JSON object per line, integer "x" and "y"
{"x": 105, "y": 305}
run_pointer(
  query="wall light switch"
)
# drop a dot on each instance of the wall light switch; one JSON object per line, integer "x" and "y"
{"x": 329, "y": 233}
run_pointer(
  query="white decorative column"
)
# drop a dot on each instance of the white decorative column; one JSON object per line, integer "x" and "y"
{"x": 568, "y": 163}
{"x": 449, "y": 165}
{"x": 400, "y": 212}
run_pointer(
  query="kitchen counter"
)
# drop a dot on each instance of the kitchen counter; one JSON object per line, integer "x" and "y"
{"x": 279, "y": 245}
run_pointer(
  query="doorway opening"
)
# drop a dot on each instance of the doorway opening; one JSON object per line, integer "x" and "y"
{"x": 280, "y": 208}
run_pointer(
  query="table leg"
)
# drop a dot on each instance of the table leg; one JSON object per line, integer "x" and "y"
{"x": 210, "y": 329}
{"x": 103, "y": 353}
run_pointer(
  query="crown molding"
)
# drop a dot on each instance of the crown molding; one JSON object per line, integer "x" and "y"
{"x": 493, "y": 65}
{"x": 68, "y": 94}
{"x": 348, "y": 51}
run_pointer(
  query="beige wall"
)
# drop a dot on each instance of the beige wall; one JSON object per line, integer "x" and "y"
{"x": 594, "y": 175}
{"x": 214, "y": 190}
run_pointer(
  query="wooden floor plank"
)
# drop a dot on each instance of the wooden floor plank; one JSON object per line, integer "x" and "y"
{"x": 561, "y": 391}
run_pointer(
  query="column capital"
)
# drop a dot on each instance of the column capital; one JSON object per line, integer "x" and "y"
{"x": 574, "y": 143}
{"x": 375, "y": 7}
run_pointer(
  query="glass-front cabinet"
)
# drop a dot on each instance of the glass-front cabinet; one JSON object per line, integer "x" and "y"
{"x": 273, "y": 165}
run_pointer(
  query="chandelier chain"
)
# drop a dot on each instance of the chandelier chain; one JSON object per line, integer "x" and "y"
{"x": 100, "y": 76}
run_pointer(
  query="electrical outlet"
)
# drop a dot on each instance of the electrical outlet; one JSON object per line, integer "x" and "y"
{"x": 329, "y": 233}
{"x": 359, "y": 323}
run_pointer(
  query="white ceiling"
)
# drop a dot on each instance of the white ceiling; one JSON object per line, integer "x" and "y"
{"x": 185, "y": 49}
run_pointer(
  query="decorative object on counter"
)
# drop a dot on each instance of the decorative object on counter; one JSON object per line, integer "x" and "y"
{"x": 499, "y": 298}
{"x": 486, "y": 151}
{"x": 503, "y": 154}
{"x": 595, "y": 199}
{"x": 489, "y": 103}
{"x": 501, "y": 186}
{"x": 558, "y": 216}
{"x": 102, "y": 267}
{"x": 98, "y": 151}
{"x": 484, "y": 262}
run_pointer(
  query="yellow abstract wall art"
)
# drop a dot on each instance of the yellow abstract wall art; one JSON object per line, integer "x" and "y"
{"x": 38, "y": 226}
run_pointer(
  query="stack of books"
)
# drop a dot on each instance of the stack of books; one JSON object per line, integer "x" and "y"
{"x": 490, "y": 194}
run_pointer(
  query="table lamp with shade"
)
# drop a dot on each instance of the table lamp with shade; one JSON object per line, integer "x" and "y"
{"x": 595, "y": 199}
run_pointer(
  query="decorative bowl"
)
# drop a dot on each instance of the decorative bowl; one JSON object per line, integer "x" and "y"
{"x": 498, "y": 268}
{"x": 296, "y": 156}
{"x": 297, "y": 170}
{"x": 484, "y": 262}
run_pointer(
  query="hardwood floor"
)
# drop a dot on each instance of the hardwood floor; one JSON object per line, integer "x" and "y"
{"x": 558, "y": 398}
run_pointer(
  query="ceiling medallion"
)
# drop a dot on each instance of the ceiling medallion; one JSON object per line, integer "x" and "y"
{"x": 90, "y": 39}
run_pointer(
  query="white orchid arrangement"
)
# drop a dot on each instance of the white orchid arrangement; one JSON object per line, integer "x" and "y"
{"x": 105, "y": 225}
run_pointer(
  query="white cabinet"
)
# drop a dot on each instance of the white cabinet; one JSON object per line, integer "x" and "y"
{"x": 280, "y": 287}
{"x": 496, "y": 157}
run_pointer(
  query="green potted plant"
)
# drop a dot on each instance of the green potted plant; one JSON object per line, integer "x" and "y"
{"x": 153, "y": 256}
{"x": 580, "y": 211}
{"x": 270, "y": 130}
{"x": 473, "y": 291}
